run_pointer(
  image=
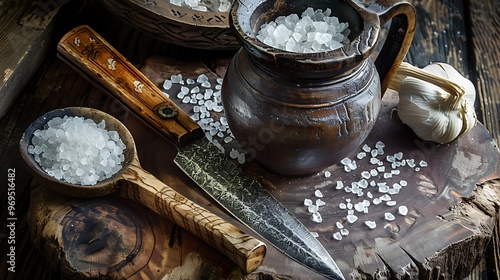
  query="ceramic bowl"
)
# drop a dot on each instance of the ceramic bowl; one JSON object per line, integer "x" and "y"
{"x": 176, "y": 25}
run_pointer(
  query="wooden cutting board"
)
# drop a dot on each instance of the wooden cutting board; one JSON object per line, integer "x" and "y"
{"x": 452, "y": 205}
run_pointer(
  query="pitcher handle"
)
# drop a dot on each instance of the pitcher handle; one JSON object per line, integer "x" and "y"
{"x": 399, "y": 38}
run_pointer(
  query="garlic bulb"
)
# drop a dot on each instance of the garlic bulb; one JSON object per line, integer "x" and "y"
{"x": 437, "y": 102}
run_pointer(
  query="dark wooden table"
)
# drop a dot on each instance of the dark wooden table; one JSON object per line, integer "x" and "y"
{"x": 464, "y": 34}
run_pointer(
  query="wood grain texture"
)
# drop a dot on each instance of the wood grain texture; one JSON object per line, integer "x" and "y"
{"x": 25, "y": 33}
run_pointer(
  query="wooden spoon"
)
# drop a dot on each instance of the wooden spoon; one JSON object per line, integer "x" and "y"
{"x": 137, "y": 184}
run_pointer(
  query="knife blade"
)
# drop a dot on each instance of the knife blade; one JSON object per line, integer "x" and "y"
{"x": 221, "y": 178}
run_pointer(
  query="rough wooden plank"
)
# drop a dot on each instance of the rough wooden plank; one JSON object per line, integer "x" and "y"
{"x": 485, "y": 39}
{"x": 25, "y": 32}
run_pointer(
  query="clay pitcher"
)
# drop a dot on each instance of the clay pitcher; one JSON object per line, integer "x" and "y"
{"x": 298, "y": 113}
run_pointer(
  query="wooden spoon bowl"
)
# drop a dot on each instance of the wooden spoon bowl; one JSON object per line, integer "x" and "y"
{"x": 134, "y": 183}
{"x": 103, "y": 187}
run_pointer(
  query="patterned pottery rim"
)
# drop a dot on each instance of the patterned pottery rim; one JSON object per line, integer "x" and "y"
{"x": 176, "y": 25}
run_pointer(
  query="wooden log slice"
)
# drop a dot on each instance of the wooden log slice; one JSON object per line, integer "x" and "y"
{"x": 110, "y": 237}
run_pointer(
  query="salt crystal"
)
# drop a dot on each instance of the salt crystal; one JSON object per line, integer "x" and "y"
{"x": 320, "y": 202}
{"x": 366, "y": 148}
{"x": 167, "y": 84}
{"x": 206, "y": 84}
{"x": 176, "y": 79}
{"x": 346, "y": 161}
{"x": 340, "y": 185}
{"x": 385, "y": 197}
{"x": 339, "y": 225}
{"x": 312, "y": 208}
{"x": 344, "y": 231}
{"x": 342, "y": 205}
{"x": 316, "y": 217}
{"x": 359, "y": 207}
{"x": 308, "y": 202}
{"x": 391, "y": 203}
{"x": 361, "y": 155}
{"x": 389, "y": 217}
{"x": 383, "y": 189}
{"x": 314, "y": 234}
{"x": 423, "y": 163}
{"x": 318, "y": 193}
{"x": 351, "y": 218}
{"x": 337, "y": 236}
{"x": 398, "y": 156}
{"x": 366, "y": 174}
{"x": 379, "y": 144}
{"x": 402, "y": 210}
{"x": 371, "y": 224}
{"x": 327, "y": 174}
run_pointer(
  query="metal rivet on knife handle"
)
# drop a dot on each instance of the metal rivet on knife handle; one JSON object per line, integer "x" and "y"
{"x": 112, "y": 72}
{"x": 166, "y": 111}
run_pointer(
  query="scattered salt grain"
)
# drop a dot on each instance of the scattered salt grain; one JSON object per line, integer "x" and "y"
{"x": 389, "y": 216}
{"x": 391, "y": 203}
{"x": 344, "y": 231}
{"x": 320, "y": 202}
{"x": 402, "y": 210}
{"x": 318, "y": 193}
{"x": 351, "y": 218}
{"x": 312, "y": 208}
{"x": 314, "y": 234}
{"x": 327, "y": 174}
{"x": 316, "y": 217}
{"x": 308, "y": 202}
{"x": 176, "y": 78}
{"x": 371, "y": 224}
{"x": 167, "y": 84}
{"x": 337, "y": 236}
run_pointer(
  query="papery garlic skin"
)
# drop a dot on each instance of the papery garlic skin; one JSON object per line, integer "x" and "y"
{"x": 426, "y": 107}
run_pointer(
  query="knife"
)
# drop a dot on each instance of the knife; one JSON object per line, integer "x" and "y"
{"x": 221, "y": 178}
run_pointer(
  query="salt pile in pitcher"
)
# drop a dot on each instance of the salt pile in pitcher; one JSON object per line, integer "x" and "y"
{"x": 204, "y": 5}
{"x": 314, "y": 31}
{"x": 77, "y": 150}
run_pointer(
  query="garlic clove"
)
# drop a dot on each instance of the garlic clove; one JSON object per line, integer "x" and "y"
{"x": 437, "y": 102}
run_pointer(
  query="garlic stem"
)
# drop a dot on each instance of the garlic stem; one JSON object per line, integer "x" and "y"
{"x": 455, "y": 90}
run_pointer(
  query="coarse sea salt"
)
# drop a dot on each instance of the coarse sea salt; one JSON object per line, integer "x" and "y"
{"x": 314, "y": 31}
{"x": 204, "y": 5}
{"x": 77, "y": 150}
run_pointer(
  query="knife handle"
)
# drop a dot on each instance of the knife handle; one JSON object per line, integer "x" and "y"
{"x": 91, "y": 55}
{"x": 144, "y": 188}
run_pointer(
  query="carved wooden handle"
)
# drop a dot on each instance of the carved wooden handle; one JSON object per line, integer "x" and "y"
{"x": 97, "y": 60}
{"x": 140, "y": 186}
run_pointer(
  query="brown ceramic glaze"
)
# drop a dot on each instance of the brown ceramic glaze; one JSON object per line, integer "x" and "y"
{"x": 134, "y": 183}
{"x": 300, "y": 113}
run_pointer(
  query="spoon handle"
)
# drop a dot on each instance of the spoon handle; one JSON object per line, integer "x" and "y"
{"x": 93, "y": 57}
{"x": 144, "y": 188}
